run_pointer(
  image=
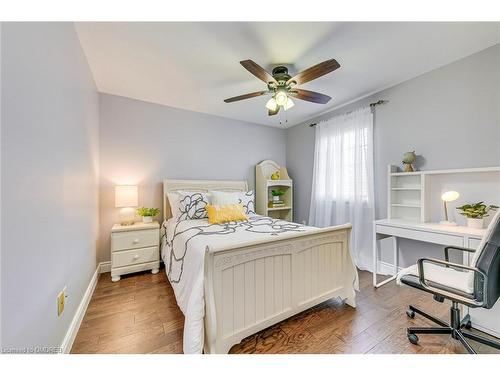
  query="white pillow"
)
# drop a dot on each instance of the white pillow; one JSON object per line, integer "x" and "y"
{"x": 234, "y": 197}
{"x": 188, "y": 205}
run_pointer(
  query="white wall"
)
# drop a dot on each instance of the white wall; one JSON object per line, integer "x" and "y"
{"x": 143, "y": 143}
{"x": 0, "y": 184}
{"x": 450, "y": 116}
{"x": 49, "y": 172}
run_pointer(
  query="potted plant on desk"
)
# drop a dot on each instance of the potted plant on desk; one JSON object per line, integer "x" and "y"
{"x": 147, "y": 214}
{"x": 475, "y": 213}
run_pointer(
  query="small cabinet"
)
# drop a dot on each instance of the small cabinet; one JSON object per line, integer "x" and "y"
{"x": 134, "y": 248}
{"x": 265, "y": 184}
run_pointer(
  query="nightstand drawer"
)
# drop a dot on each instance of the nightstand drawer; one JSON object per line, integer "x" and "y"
{"x": 130, "y": 257}
{"x": 134, "y": 239}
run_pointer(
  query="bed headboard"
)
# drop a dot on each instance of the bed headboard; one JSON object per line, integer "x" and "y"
{"x": 197, "y": 185}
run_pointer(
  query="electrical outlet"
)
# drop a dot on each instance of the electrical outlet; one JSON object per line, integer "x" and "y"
{"x": 61, "y": 299}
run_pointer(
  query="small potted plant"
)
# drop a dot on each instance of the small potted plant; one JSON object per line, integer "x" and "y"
{"x": 475, "y": 213}
{"x": 276, "y": 195}
{"x": 147, "y": 213}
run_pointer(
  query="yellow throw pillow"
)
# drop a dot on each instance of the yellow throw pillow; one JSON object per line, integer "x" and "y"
{"x": 225, "y": 213}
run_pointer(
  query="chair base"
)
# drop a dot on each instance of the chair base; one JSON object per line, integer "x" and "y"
{"x": 455, "y": 328}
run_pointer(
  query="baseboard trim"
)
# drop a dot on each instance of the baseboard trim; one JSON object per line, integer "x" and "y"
{"x": 385, "y": 268}
{"x": 70, "y": 336}
{"x": 72, "y": 331}
{"x": 105, "y": 267}
{"x": 485, "y": 330}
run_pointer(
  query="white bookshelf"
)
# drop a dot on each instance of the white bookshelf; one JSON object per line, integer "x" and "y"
{"x": 263, "y": 186}
{"x": 415, "y": 196}
{"x": 405, "y": 195}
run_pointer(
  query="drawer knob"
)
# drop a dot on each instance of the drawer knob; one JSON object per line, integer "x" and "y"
{"x": 136, "y": 257}
{"x": 136, "y": 240}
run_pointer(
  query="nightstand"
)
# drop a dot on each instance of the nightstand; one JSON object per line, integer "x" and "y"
{"x": 134, "y": 248}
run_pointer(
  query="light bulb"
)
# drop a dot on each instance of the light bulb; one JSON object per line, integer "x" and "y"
{"x": 281, "y": 98}
{"x": 272, "y": 105}
{"x": 289, "y": 104}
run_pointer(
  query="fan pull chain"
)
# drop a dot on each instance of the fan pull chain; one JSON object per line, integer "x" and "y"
{"x": 283, "y": 113}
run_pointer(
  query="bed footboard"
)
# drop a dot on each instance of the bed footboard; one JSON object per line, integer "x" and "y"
{"x": 252, "y": 287}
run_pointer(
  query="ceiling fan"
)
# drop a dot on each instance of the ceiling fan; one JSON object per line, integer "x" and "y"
{"x": 282, "y": 86}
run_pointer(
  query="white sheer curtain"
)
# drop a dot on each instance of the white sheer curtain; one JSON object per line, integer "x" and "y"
{"x": 342, "y": 189}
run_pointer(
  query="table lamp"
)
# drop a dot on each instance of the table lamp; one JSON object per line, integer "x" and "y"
{"x": 126, "y": 199}
{"x": 448, "y": 196}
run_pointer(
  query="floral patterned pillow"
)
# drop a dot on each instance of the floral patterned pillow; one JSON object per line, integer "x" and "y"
{"x": 188, "y": 205}
{"x": 248, "y": 201}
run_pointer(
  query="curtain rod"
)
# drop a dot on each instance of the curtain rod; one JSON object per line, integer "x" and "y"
{"x": 372, "y": 105}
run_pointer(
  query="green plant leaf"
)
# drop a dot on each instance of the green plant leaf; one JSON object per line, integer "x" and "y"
{"x": 477, "y": 210}
{"x": 145, "y": 211}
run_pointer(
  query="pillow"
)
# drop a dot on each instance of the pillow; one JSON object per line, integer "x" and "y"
{"x": 218, "y": 214}
{"x": 247, "y": 199}
{"x": 188, "y": 205}
{"x": 235, "y": 197}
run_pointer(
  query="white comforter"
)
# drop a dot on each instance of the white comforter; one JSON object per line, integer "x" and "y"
{"x": 183, "y": 249}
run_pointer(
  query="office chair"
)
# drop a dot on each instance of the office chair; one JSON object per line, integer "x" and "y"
{"x": 476, "y": 286}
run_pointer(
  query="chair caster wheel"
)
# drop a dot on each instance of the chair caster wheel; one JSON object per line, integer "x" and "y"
{"x": 413, "y": 338}
{"x": 410, "y": 313}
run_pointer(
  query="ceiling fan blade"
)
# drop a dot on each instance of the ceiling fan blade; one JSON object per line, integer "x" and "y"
{"x": 310, "y": 96}
{"x": 272, "y": 113}
{"x": 314, "y": 72}
{"x": 258, "y": 71}
{"x": 245, "y": 96}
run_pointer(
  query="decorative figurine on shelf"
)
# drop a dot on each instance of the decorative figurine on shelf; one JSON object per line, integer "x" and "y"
{"x": 408, "y": 159}
{"x": 275, "y": 175}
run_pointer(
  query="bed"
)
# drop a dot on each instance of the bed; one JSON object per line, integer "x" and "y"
{"x": 232, "y": 280}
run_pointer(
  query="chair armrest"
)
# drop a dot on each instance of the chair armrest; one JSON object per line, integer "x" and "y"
{"x": 423, "y": 281}
{"x": 459, "y": 248}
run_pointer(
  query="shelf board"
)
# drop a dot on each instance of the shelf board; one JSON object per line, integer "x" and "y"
{"x": 405, "y": 205}
{"x": 464, "y": 170}
{"x": 397, "y": 174}
{"x": 279, "y": 208}
{"x": 406, "y": 188}
{"x": 448, "y": 171}
{"x": 286, "y": 183}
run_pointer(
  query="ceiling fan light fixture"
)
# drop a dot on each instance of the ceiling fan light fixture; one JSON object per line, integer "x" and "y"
{"x": 289, "y": 104}
{"x": 280, "y": 85}
{"x": 272, "y": 105}
{"x": 281, "y": 98}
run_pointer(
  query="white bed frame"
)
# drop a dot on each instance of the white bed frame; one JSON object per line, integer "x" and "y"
{"x": 253, "y": 286}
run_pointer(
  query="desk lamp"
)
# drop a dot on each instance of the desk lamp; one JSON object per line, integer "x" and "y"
{"x": 448, "y": 196}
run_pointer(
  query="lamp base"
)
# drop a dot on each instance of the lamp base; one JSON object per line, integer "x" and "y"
{"x": 127, "y": 216}
{"x": 448, "y": 223}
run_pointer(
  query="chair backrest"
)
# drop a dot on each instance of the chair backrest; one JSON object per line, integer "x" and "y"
{"x": 487, "y": 260}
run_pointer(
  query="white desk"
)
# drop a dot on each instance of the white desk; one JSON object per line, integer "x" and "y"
{"x": 484, "y": 320}
{"x": 426, "y": 232}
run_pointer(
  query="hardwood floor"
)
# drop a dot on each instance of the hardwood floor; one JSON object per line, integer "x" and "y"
{"x": 139, "y": 314}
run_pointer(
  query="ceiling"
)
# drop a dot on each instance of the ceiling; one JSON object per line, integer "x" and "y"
{"x": 195, "y": 66}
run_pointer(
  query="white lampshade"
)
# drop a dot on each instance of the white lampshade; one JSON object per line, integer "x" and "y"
{"x": 450, "y": 196}
{"x": 126, "y": 196}
{"x": 272, "y": 105}
{"x": 289, "y": 104}
{"x": 281, "y": 98}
